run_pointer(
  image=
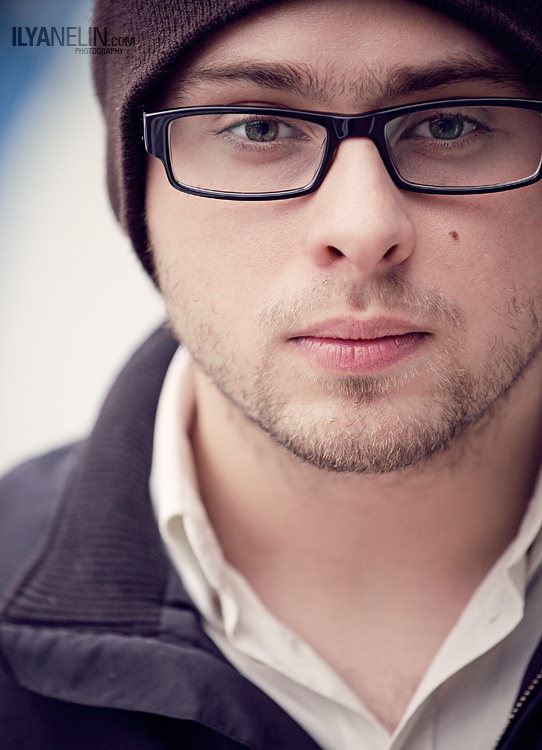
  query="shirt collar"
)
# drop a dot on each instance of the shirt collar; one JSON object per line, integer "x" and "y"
{"x": 229, "y": 605}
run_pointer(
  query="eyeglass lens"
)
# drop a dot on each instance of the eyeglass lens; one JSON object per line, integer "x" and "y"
{"x": 248, "y": 153}
{"x": 456, "y": 146}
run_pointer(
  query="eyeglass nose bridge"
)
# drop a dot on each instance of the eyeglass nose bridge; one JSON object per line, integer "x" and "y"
{"x": 358, "y": 126}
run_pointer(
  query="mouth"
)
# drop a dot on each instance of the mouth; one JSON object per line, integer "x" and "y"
{"x": 354, "y": 346}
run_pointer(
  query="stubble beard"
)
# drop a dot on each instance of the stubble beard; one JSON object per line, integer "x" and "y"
{"x": 357, "y": 424}
{"x": 365, "y": 432}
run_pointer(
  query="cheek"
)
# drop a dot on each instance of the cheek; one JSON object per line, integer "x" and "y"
{"x": 484, "y": 248}
{"x": 484, "y": 253}
{"x": 216, "y": 259}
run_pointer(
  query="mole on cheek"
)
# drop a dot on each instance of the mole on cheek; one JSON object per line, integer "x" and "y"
{"x": 454, "y": 235}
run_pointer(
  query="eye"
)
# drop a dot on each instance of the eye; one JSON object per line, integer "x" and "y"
{"x": 444, "y": 127}
{"x": 263, "y": 131}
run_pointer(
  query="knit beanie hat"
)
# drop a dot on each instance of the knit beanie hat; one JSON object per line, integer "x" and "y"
{"x": 160, "y": 32}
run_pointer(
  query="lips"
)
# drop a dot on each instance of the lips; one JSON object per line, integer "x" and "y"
{"x": 351, "y": 345}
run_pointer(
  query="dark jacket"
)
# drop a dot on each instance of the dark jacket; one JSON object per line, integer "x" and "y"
{"x": 100, "y": 646}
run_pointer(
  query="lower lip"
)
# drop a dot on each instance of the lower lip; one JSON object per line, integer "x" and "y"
{"x": 358, "y": 355}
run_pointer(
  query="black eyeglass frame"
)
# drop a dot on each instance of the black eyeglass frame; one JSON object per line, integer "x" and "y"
{"x": 338, "y": 127}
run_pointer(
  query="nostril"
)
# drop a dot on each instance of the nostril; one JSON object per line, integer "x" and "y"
{"x": 390, "y": 252}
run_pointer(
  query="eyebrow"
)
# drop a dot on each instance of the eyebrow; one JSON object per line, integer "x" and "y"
{"x": 407, "y": 80}
{"x": 384, "y": 87}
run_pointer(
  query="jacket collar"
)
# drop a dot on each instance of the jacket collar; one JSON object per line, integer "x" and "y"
{"x": 101, "y": 618}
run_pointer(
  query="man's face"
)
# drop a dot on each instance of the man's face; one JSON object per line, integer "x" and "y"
{"x": 363, "y": 327}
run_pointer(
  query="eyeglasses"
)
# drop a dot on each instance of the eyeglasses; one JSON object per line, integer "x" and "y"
{"x": 452, "y": 146}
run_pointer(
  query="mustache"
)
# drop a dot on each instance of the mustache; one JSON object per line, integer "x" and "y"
{"x": 392, "y": 293}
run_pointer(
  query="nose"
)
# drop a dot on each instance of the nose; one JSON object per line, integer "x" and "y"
{"x": 359, "y": 214}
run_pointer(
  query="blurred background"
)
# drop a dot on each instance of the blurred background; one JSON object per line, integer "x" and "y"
{"x": 74, "y": 302}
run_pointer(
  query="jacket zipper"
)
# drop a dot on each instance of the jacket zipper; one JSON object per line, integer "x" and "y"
{"x": 520, "y": 704}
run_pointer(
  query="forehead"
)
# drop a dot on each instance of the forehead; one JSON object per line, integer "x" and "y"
{"x": 362, "y": 49}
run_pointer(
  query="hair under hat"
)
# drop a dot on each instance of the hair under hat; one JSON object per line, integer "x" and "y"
{"x": 166, "y": 30}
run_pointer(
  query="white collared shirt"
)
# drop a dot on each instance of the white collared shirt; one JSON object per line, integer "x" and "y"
{"x": 468, "y": 690}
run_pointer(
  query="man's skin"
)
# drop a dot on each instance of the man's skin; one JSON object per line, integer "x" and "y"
{"x": 419, "y": 453}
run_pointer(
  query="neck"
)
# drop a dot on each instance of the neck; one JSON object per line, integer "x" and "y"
{"x": 409, "y": 546}
{"x": 246, "y": 476}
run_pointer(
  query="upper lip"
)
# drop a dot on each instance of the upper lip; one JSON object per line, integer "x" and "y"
{"x": 350, "y": 329}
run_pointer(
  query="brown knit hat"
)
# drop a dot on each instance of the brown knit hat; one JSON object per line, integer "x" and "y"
{"x": 165, "y": 30}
